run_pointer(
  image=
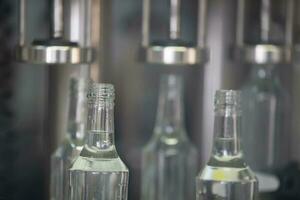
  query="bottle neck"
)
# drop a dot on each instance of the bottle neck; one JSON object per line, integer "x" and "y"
{"x": 100, "y": 126}
{"x": 77, "y": 114}
{"x": 227, "y": 132}
{"x": 170, "y": 107}
{"x": 262, "y": 72}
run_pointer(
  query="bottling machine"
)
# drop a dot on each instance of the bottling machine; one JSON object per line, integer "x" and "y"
{"x": 101, "y": 39}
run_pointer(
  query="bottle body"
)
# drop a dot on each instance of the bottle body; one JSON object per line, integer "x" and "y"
{"x": 226, "y": 176}
{"x": 98, "y": 178}
{"x": 99, "y": 173}
{"x": 168, "y": 169}
{"x": 264, "y": 105}
{"x": 230, "y": 179}
{"x": 61, "y": 161}
{"x": 169, "y": 160}
{"x": 69, "y": 150}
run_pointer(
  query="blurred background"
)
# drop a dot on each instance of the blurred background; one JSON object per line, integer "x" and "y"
{"x": 34, "y": 96}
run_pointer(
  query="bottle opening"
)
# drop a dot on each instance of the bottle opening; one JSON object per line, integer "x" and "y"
{"x": 228, "y": 98}
{"x": 101, "y": 92}
{"x": 228, "y": 102}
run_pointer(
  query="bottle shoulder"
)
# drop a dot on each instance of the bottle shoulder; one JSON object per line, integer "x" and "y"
{"x": 227, "y": 169}
{"x": 99, "y": 165}
{"x": 95, "y": 152}
{"x": 234, "y": 161}
{"x": 170, "y": 148}
{"x": 158, "y": 142}
{"x": 227, "y": 174}
{"x": 67, "y": 149}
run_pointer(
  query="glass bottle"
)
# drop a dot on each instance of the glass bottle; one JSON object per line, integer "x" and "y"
{"x": 169, "y": 160}
{"x": 99, "y": 173}
{"x": 226, "y": 176}
{"x": 69, "y": 150}
{"x": 263, "y": 106}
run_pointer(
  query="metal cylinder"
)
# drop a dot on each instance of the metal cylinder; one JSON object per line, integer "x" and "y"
{"x": 289, "y": 29}
{"x": 240, "y": 24}
{"x": 22, "y": 22}
{"x": 264, "y": 34}
{"x": 175, "y": 19}
{"x": 58, "y": 18}
{"x": 265, "y": 20}
{"x": 171, "y": 44}
{"x": 146, "y": 23}
{"x": 202, "y": 23}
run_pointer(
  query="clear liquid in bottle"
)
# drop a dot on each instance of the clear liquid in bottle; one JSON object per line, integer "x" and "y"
{"x": 99, "y": 173}
{"x": 226, "y": 176}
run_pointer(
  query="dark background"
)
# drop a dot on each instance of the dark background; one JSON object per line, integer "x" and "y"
{"x": 33, "y": 98}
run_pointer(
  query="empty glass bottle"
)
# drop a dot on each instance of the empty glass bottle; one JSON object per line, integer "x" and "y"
{"x": 69, "y": 150}
{"x": 226, "y": 176}
{"x": 169, "y": 160}
{"x": 98, "y": 173}
{"x": 264, "y": 107}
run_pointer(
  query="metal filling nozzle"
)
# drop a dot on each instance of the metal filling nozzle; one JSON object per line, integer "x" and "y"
{"x": 174, "y": 50}
{"x": 54, "y": 50}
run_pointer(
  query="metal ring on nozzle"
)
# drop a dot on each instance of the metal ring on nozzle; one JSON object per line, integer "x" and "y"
{"x": 174, "y": 55}
{"x": 55, "y": 50}
{"x": 265, "y": 54}
{"x": 173, "y": 50}
{"x": 49, "y": 52}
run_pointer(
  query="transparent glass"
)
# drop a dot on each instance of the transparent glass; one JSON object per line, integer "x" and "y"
{"x": 70, "y": 148}
{"x": 98, "y": 173}
{"x": 263, "y": 107}
{"x": 169, "y": 160}
{"x": 226, "y": 176}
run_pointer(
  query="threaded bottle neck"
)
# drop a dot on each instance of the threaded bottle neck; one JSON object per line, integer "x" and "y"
{"x": 100, "y": 123}
{"x": 227, "y": 126}
{"x": 101, "y": 108}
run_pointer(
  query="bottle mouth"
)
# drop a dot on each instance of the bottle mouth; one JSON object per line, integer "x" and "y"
{"x": 228, "y": 98}
{"x": 101, "y": 92}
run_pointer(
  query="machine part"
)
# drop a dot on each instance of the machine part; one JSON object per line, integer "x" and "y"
{"x": 174, "y": 55}
{"x": 175, "y": 23}
{"x": 57, "y": 18}
{"x": 265, "y": 51}
{"x": 55, "y": 50}
{"x": 54, "y": 54}
{"x": 174, "y": 51}
{"x": 289, "y": 182}
{"x": 48, "y": 52}
{"x": 264, "y": 54}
